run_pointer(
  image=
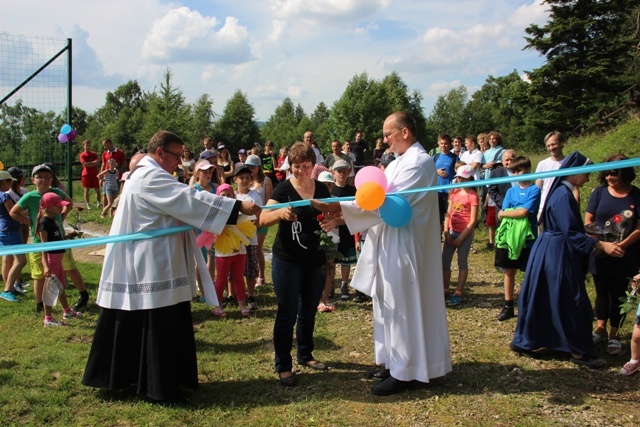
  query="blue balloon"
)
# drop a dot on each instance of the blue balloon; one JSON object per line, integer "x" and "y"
{"x": 65, "y": 129}
{"x": 395, "y": 211}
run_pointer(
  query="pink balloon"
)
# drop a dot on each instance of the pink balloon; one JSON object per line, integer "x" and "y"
{"x": 72, "y": 135}
{"x": 63, "y": 138}
{"x": 371, "y": 174}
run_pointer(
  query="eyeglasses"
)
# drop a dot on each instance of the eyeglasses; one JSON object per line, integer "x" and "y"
{"x": 388, "y": 134}
{"x": 177, "y": 156}
{"x": 612, "y": 173}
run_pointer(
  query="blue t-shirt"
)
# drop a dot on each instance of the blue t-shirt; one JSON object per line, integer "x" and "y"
{"x": 528, "y": 198}
{"x": 448, "y": 162}
{"x": 7, "y": 224}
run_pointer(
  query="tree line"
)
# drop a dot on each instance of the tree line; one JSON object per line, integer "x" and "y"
{"x": 591, "y": 51}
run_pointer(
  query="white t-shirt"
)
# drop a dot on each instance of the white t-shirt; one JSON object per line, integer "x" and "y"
{"x": 546, "y": 165}
{"x": 472, "y": 157}
{"x": 251, "y": 196}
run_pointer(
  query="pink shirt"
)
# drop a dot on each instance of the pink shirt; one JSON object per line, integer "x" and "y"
{"x": 461, "y": 209}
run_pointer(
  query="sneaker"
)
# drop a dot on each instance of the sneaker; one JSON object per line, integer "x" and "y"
{"x": 54, "y": 322}
{"x": 455, "y": 300}
{"x": 360, "y": 297}
{"x": 16, "y": 293}
{"x": 630, "y": 368}
{"x": 82, "y": 303}
{"x": 344, "y": 292}
{"x": 24, "y": 285}
{"x": 506, "y": 313}
{"x": 490, "y": 246}
{"x": 251, "y": 303}
{"x": 19, "y": 286}
{"x": 8, "y": 296}
{"x": 260, "y": 281}
{"x": 99, "y": 205}
{"x": 614, "y": 347}
{"x": 226, "y": 301}
{"x": 72, "y": 314}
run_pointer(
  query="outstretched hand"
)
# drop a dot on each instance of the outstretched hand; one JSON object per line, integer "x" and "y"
{"x": 326, "y": 207}
{"x": 249, "y": 208}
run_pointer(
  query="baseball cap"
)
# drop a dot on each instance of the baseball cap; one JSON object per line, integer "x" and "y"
{"x": 52, "y": 199}
{"x": 465, "y": 171}
{"x": 4, "y": 175}
{"x": 253, "y": 160}
{"x": 242, "y": 151}
{"x": 221, "y": 147}
{"x": 202, "y": 164}
{"x": 326, "y": 176}
{"x": 224, "y": 187}
{"x": 15, "y": 172}
{"x": 39, "y": 168}
{"x": 241, "y": 168}
{"x": 340, "y": 164}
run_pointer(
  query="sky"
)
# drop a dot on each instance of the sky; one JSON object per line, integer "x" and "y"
{"x": 307, "y": 50}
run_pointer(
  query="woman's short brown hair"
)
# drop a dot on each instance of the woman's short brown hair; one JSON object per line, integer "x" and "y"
{"x": 301, "y": 152}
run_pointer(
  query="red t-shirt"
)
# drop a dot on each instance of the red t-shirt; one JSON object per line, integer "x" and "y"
{"x": 461, "y": 209}
{"x": 86, "y": 158}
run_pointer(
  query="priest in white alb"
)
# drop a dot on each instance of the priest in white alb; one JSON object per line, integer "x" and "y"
{"x": 144, "y": 334}
{"x": 401, "y": 269}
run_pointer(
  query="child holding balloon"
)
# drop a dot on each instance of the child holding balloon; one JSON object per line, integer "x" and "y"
{"x": 459, "y": 226}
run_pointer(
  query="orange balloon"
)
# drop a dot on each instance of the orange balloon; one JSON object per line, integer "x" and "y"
{"x": 370, "y": 196}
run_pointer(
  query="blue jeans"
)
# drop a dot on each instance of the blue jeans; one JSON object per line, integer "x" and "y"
{"x": 298, "y": 291}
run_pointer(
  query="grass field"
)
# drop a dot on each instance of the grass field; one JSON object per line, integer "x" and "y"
{"x": 40, "y": 371}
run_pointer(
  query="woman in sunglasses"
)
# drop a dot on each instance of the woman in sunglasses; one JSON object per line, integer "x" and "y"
{"x": 614, "y": 214}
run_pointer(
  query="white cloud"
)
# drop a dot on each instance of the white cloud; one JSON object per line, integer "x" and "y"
{"x": 534, "y": 13}
{"x": 321, "y": 10}
{"x": 184, "y": 35}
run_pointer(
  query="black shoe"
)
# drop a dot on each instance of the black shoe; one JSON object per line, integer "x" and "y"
{"x": 490, "y": 246}
{"x": 82, "y": 303}
{"x": 391, "y": 386}
{"x": 359, "y": 297}
{"x": 226, "y": 301}
{"x": 379, "y": 374}
{"x": 289, "y": 381}
{"x": 506, "y": 313}
{"x": 251, "y": 303}
{"x": 344, "y": 292}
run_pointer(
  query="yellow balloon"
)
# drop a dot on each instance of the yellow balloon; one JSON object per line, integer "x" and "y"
{"x": 370, "y": 196}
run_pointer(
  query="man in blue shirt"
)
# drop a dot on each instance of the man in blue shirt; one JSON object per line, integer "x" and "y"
{"x": 445, "y": 167}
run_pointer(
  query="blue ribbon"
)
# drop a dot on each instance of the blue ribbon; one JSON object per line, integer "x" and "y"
{"x": 94, "y": 241}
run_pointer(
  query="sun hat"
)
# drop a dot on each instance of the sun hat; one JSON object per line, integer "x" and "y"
{"x": 465, "y": 171}
{"x": 4, "y": 175}
{"x": 326, "y": 176}
{"x": 52, "y": 199}
{"x": 253, "y": 160}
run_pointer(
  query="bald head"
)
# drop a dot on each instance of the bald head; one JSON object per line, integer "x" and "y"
{"x": 135, "y": 159}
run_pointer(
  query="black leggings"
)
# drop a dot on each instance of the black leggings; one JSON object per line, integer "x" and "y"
{"x": 609, "y": 290}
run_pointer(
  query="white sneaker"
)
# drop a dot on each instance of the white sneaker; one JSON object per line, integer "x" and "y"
{"x": 54, "y": 322}
{"x": 72, "y": 314}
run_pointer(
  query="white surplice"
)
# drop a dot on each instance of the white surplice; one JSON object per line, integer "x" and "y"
{"x": 159, "y": 272}
{"x": 401, "y": 269}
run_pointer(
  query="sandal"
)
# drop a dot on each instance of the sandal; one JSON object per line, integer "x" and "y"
{"x": 245, "y": 312}
{"x": 315, "y": 365}
{"x": 218, "y": 312}
{"x": 614, "y": 347}
{"x": 597, "y": 338}
{"x": 325, "y": 308}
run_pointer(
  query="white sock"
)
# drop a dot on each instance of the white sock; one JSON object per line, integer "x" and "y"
{"x": 635, "y": 361}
